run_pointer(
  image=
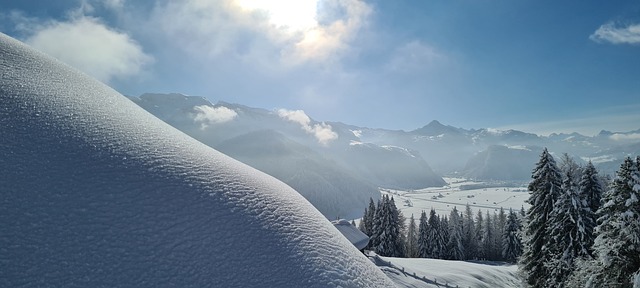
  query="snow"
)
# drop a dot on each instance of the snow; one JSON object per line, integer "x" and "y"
{"x": 352, "y": 233}
{"x": 96, "y": 192}
{"x": 424, "y": 272}
{"x": 443, "y": 199}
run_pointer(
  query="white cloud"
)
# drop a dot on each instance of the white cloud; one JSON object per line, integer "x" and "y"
{"x": 322, "y": 131}
{"x": 207, "y": 115}
{"x": 616, "y": 34}
{"x": 291, "y": 32}
{"x": 92, "y": 47}
{"x": 623, "y": 137}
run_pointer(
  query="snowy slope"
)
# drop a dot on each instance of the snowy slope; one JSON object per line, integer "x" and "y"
{"x": 96, "y": 192}
{"x": 423, "y": 272}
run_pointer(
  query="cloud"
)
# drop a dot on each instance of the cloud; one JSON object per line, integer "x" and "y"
{"x": 617, "y": 34}
{"x": 289, "y": 32}
{"x": 322, "y": 131}
{"x": 87, "y": 44}
{"x": 624, "y": 137}
{"x": 207, "y": 115}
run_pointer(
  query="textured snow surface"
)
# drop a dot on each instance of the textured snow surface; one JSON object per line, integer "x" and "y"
{"x": 424, "y": 272}
{"x": 96, "y": 192}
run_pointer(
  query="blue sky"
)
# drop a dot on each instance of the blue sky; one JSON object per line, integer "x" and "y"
{"x": 537, "y": 66}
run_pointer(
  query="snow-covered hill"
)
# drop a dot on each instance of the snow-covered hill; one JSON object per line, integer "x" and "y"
{"x": 96, "y": 192}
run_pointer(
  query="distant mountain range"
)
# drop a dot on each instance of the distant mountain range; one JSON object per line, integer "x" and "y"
{"x": 339, "y": 166}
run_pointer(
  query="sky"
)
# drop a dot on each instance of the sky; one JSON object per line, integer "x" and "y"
{"x": 537, "y": 66}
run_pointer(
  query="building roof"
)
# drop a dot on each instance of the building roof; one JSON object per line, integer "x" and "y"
{"x": 352, "y": 233}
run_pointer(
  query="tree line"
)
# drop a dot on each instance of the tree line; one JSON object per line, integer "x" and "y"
{"x": 579, "y": 232}
{"x": 582, "y": 229}
{"x": 457, "y": 236}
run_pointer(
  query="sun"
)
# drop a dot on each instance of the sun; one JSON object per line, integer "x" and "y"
{"x": 291, "y": 15}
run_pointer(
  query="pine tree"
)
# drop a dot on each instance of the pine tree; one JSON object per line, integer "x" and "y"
{"x": 455, "y": 248}
{"x": 361, "y": 226}
{"x": 434, "y": 237}
{"x": 468, "y": 234}
{"x": 398, "y": 225}
{"x": 567, "y": 233}
{"x": 544, "y": 191}
{"x": 511, "y": 241}
{"x": 368, "y": 218}
{"x": 376, "y": 225}
{"x": 478, "y": 236}
{"x": 412, "y": 249}
{"x": 499, "y": 223}
{"x": 423, "y": 244}
{"x": 387, "y": 240}
{"x": 617, "y": 244}
{"x": 590, "y": 190}
{"x": 487, "y": 238}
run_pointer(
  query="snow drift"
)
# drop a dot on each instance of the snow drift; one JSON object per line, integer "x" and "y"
{"x": 96, "y": 192}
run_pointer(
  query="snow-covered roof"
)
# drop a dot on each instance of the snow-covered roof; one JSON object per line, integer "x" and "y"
{"x": 96, "y": 192}
{"x": 352, "y": 233}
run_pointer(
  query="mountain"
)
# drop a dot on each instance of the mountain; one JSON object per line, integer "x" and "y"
{"x": 333, "y": 190}
{"x": 499, "y": 162}
{"x": 320, "y": 160}
{"x": 96, "y": 192}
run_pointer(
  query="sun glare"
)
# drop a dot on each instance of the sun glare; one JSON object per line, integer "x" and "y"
{"x": 292, "y": 15}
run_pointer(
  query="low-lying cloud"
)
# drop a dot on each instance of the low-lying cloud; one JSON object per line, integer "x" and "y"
{"x": 207, "y": 115}
{"x": 623, "y": 137}
{"x": 322, "y": 131}
{"x": 90, "y": 46}
{"x": 617, "y": 34}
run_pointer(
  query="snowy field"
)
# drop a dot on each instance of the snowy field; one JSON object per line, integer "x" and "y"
{"x": 458, "y": 194}
{"x": 421, "y": 272}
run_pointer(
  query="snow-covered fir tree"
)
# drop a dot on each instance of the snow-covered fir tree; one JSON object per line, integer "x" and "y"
{"x": 412, "y": 239}
{"x": 455, "y": 248}
{"x": 544, "y": 189}
{"x": 567, "y": 233}
{"x": 386, "y": 239}
{"x": 366, "y": 225}
{"x": 488, "y": 238}
{"x": 478, "y": 235}
{"x": 617, "y": 244}
{"x": 511, "y": 241}
{"x": 423, "y": 244}
{"x": 400, "y": 222}
{"x": 499, "y": 223}
{"x": 435, "y": 241}
{"x": 376, "y": 225}
{"x": 468, "y": 234}
{"x": 590, "y": 190}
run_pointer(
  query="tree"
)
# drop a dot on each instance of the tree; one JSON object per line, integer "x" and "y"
{"x": 617, "y": 244}
{"x": 488, "y": 239}
{"x": 511, "y": 241}
{"x": 387, "y": 240}
{"x": 455, "y": 248}
{"x": 478, "y": 236}
{"x": 544, "y": 190}
{"x": 468, "y": 234}
{"x": 423, "y": 244}
{"x": 590, "y": 190}
{"x": 412, "y": 249}
{"x": 368, "y": 218}
{"x": 434, "y": 237}
{"x": 567, "y": 233}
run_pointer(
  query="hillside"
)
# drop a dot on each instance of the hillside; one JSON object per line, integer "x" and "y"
{"x": 96, "y": 192}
